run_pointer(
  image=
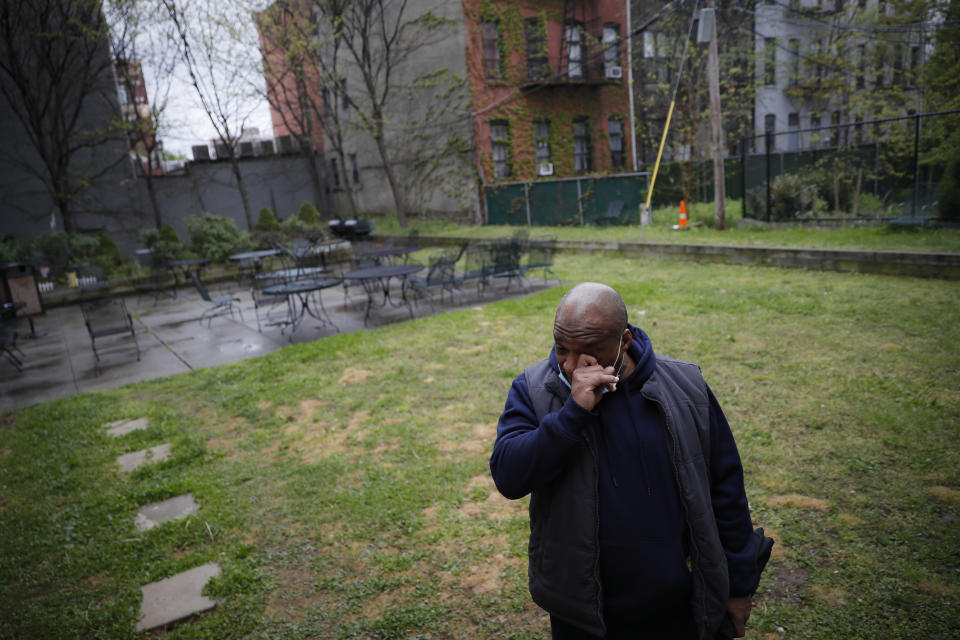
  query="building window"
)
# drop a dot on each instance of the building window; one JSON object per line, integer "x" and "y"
{"x": 541, "y": 140}
{"x": 354, "y": 169}
{"x": 615, "y": 131}
{"x": 793, "y": 124}
{"x": 656, "y": 56}
{"x": 611, "y": 50}
{"x": 794, "y": 45}
{"x": 500, "y": 143}
{"x": 835, "y": 131}
{"x": 325, "y": 98}
{"x": 581, "y": 146}
{"x": 858, "y": 129}
{"x": 897, "y": 65}
{"x": 914, "y": 66}
{"x": 574, "y": 33}
{"x": 879, "y": 70}
{"x": 123, "y": 94}
{"x": 861, "y": 65}
{"x": 537, "y": 65}
{"x": 815, "y": 136}
{"x": 769, "y": 61}
{"x": 335, "y": 173}
{"x": 344, "y": 97}
{"x": 770, "y": 126}
{"x": 491, "y": 51}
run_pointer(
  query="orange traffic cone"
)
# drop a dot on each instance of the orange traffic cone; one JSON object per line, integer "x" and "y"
{"x": 683, "y": 215}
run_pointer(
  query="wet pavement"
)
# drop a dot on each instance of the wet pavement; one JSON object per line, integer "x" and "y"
{"x": 59, "y": 362}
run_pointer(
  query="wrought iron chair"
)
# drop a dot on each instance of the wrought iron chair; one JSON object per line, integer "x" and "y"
{"x": 222, "y": 305}
{"x": 107, "y": 317}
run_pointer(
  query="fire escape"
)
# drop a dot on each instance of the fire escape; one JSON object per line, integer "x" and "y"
{"x": 581, "y": 57}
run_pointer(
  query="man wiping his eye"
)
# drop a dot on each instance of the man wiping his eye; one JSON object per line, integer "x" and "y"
{"x": 639, "y": 525}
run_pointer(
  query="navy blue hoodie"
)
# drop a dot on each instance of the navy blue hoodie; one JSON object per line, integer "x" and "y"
{"x": 643, "y": 541}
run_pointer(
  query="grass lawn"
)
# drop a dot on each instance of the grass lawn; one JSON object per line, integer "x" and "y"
{"x": 344, "y": 489}
{"x": 880, "y": 238}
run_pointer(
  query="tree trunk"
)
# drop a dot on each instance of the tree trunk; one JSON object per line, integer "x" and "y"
{"x": 347, "y": 183}
{"x": 152, "y": 192}
{"x": 242, "y": 188}
{"x": 392, "y": 179}
{"x": 311, "y": 157}
{"x": 63, "y": 206}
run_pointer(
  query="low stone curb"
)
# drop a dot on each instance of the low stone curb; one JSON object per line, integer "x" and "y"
{"x": 903, "y": 263}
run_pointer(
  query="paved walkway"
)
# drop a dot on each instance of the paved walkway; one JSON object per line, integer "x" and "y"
{"x": 60, "y": 362}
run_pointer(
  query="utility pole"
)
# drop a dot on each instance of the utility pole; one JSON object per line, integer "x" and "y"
{"x": 716, "y": 124}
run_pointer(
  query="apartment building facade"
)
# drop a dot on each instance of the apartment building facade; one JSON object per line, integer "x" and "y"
{"x": 549, "y": 88}
{"x": 824, "y": 64}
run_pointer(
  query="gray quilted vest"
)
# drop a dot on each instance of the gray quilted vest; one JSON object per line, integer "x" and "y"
{"x": 563, "y": 572}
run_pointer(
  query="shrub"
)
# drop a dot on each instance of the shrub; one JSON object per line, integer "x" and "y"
{"x": 791, "y": 196}
{"x": 266, "y": 221}
{"x": 214, "y": 237}
{"x": 308, "y": 214}
{"x": 165, "y": 243}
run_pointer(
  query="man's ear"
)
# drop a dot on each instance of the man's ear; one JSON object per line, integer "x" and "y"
{"x": 626, "y": 338}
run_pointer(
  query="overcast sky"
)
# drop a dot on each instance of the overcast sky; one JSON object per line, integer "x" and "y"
{"x": 184, "y": 122}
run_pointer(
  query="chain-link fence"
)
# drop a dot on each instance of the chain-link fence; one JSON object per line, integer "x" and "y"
{"x": 860, "y": 171}
{"x": 568, "y": 201}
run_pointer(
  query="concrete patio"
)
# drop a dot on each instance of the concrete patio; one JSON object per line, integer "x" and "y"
{"x": 60, "y": 361}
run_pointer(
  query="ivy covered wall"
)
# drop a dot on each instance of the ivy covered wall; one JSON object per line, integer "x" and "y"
{"x": 514, "y": 98}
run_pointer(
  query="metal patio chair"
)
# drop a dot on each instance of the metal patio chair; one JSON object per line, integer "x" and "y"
{"x": 107, "y": 317}
{"x": 222, "y": 305}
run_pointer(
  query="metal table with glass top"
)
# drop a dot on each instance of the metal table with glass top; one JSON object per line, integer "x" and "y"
{"x": 302, "y": 290}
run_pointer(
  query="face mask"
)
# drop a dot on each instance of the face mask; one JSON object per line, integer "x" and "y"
{"x": 563, "y": 378}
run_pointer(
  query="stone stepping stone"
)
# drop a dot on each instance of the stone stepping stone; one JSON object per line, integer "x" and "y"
{"x": 119, "y": 428}
{"x": 151, "y": 515}
{"x": 176, "y": 598}
{"x": 130, "y": 461}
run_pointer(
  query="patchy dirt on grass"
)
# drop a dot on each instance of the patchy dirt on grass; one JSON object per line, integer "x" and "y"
{"x": 829, "y": 597}
{"x": 375, "y": 607}
{"x": 351, "y": 375}
{"x": 321, "y": 440}
{"x": 433, "y": 367}
{"x": 798, "y": 501}
{"x": 292, "y": 594}
{"x": 783, "y": 582}
{"x": 495, "y": 506}
{"x": 945, "y": 494}
{"x": 306, "y": 410}
{"x": 264, "y": 405}
{"x": 849, "y": 519}
{"x": 485, "y": 578}
{"x": 468, "y": 351}
{"x": 938, "y": 589}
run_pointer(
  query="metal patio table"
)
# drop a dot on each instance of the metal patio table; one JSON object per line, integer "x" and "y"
{"x": 302, "y": 290}
{"x": 376, "y": 280}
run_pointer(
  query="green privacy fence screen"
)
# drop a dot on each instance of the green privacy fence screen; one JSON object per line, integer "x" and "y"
{"x": 568, "y": 201}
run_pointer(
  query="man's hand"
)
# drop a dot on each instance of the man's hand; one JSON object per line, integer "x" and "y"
{"x": 739, "y": 608}
{"x": 589, "y": 381}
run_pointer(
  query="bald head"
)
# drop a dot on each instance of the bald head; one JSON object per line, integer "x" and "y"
{"x": 594, "y": 307}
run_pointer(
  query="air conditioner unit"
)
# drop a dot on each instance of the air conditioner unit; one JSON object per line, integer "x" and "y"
{"x": 545, "y": 169}
{"x": 200, "y": 152}
{"x": 614, "y": 73}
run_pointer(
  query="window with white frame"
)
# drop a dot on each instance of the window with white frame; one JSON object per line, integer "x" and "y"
{"x": 492, "y": 68}
{"x": 611, "y": 50}
{"x": 335, "y": 173}
{"x": 500, "y": 145}
{"x": 615, "y": 132}
{"x": 541, "y": 140}
{"x": 581, "y": 146}
{"x": 574, "y": 33}
{"x": 354, "y": 169}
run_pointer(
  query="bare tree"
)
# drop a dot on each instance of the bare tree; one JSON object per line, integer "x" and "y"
{"x": 205, "y": 33}
{"x": 138, "y": 35}
{"x": 413, "y": 113}
{"x": 296, "y": 81}
{"x": 55, "y": 75}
